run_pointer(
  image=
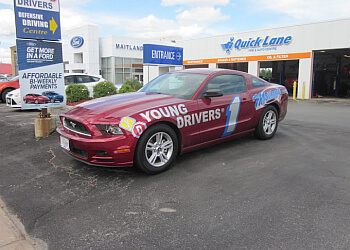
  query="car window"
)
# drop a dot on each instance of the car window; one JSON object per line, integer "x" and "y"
{"x": 257, "y": 83}
{"x": 68, "y": 80}
{"x": 228, "y": 83}
{"x": 83, "y": 79}
{"x": 94, "y": 79}
{"x": 180, "y": 85}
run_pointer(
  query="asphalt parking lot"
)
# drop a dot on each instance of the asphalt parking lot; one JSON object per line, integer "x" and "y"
{"x": 291, "y": 192}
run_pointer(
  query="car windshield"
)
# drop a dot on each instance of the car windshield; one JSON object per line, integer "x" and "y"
{"x": 15, "y": 78}
{"x": 180, "y": 85}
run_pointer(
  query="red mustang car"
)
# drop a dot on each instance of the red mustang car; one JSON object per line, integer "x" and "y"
{"x": 35, "y": 98}
{"x": 177, "y": 112}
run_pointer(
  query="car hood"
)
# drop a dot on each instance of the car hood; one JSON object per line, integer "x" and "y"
{"x": 111, "y": 108}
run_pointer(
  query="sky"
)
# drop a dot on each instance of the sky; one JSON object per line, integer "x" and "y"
{"x": 178, "y": 19}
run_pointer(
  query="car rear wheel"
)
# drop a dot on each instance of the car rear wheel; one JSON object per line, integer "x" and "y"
{"x": 157, "y": 149}
{"x": 52, "y": 100}
{"x": 268, "y": 123}
{"x": 36, "y": 101}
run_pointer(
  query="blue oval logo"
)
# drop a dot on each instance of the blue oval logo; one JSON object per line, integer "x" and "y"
{"x": 31, "y": 44}
{"x": 77, "y": 41}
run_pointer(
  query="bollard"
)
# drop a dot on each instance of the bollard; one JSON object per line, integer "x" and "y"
{"x": 44, "y": 125}
{"x": 303, "y": 96}
{"x": 294, "y": 90}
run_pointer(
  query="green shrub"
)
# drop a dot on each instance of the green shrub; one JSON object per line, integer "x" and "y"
{"x": 77, "y": 92}
{"x": 126, "y": 89}
{"x": 104, "y": 89}
{"x": 130, "y": 85}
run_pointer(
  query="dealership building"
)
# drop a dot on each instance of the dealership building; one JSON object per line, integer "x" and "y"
{"x": 316, "y": 56}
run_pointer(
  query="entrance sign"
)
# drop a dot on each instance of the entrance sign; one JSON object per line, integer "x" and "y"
{"x": 38, "y": 19}
{"x": 162, "y": 55}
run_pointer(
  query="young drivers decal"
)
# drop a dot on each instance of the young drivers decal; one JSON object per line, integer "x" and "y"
{"x": 130, "y": 124}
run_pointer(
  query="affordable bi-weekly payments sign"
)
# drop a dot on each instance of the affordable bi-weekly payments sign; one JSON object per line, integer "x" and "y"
{"x": 40, "y": 73}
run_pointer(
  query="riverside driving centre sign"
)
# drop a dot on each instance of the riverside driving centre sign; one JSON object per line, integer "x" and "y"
{"x": 38, "y": 19}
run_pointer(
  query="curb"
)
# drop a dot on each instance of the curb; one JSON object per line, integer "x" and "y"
{"x": 13, "y": 235}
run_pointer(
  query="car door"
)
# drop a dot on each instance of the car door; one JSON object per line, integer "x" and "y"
{"x": 227, "y": 114}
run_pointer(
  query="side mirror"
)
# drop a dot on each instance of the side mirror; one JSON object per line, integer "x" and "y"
{"x": 213, "y": 93}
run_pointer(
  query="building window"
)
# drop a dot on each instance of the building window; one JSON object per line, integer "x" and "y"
{"x": 106, "y": 68}
{"x": 78, "y": 58}
{"x": 128, "y": 68}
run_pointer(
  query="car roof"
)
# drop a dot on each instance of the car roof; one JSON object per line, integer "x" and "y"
{"x": 81, "y": 74}
{"x": 208, "y": 71}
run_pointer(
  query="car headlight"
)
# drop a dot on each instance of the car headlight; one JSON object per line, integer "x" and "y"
{"x": 108, "y": 129}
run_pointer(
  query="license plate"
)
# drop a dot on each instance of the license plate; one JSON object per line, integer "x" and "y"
{"x": 64, "y": 143}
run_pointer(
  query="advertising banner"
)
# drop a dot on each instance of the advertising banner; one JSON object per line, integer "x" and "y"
{"x": 40, "y": 74}
{"x": 38, "y": 19}
{"x": 160, "y": 54}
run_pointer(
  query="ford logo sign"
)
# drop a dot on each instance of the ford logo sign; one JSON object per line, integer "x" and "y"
{"x": 77, "y": 41}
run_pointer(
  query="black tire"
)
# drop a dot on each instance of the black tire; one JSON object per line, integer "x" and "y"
{"x": 268, "y": 123}
{"x": 4, "y": 93}
{"x": 161, "y": 151}
{"x": 52, "y": 100}
{"x": 36, "y": 101}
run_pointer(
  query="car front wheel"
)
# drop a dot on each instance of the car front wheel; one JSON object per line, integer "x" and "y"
{"x": 157, "y": 149}
{"x": 268, "y": 123}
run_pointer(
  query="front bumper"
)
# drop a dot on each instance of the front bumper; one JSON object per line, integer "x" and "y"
{"x": 107, "y": 151}
{"x": 13, "y": 103}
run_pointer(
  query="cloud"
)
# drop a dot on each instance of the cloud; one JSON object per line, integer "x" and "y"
{"x": 152, "y": 27}
{"x": 71, "y": 19}
{"x": 6, "y": 2}
{"x": 5, "y": 55}
{"x": 311, "y": 10}
{"x": 7, "y": 20}
{"x": 202, "y": 15}
{"x": 195, "y": 2}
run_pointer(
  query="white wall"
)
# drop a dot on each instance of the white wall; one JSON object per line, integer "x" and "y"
{"x": 90, "y": 50}
{"x": 304, "y": 79}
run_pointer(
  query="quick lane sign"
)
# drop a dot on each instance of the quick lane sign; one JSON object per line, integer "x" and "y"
{"x": 160, "y": 54}
{"x": 38, "y": 19}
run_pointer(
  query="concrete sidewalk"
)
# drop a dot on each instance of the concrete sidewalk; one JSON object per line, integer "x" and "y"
{"x": 12, "y": 233}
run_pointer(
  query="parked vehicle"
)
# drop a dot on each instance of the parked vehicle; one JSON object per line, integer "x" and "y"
{"x": 177, "y": 112}
{"x": 13, "y": 99}
{"x": 6, "y": 87}
{"x": 35, "y": 98}
{"x": 79, "y": 78}
{"x": 53, "y": 96}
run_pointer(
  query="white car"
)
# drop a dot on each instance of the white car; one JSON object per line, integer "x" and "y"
{"x": 80, "y": 78}
{"x": 13, "y": 99}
